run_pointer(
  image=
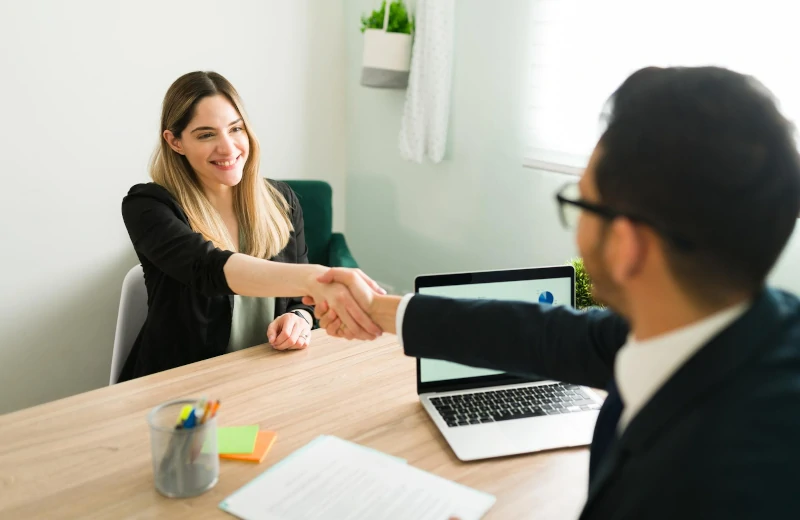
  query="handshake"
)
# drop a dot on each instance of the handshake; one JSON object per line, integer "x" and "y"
{"x": 349, "y": 304}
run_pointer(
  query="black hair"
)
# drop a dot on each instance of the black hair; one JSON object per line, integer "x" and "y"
{"x": 705, "y": 154}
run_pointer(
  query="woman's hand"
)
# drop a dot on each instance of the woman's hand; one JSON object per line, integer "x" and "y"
{"x": 361, "y": 287}
{"x": 347, "y": 300}
{"x": 289, "y": 332}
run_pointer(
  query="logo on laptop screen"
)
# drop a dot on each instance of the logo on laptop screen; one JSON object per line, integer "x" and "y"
{"x": 546, "y": 297}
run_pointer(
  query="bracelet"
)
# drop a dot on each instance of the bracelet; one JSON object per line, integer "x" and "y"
{"x": 301, "y": 315}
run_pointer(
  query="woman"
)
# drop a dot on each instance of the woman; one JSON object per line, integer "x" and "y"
{"x": 223, "y": 250}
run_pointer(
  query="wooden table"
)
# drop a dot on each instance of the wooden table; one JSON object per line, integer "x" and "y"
{"x": 88, "y": 456}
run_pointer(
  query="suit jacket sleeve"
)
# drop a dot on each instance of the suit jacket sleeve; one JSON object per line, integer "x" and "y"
{"x": 527, "y": 339}
{"x": 162, "y": 237}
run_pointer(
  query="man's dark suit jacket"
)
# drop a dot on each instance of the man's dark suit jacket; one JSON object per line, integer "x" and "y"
{"x": 720, "y": 439}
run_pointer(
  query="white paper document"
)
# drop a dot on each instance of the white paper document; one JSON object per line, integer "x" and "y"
{"x": 331, "y": 478}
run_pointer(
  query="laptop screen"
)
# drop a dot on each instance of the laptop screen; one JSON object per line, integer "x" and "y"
{"x": 552, "y": 286}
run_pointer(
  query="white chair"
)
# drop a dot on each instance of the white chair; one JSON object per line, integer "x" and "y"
{"x": 132, "y": 314}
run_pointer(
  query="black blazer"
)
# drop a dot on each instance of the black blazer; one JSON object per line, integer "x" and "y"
{"x": 189, "y": 302}
{"x": 720, "y": 439}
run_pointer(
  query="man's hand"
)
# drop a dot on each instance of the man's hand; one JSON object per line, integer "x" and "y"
{"x": 289, "y": 332}
{"x": 347, "y": 293}
{"x": 361, "y": 287}
{"x": 329, "y": 321}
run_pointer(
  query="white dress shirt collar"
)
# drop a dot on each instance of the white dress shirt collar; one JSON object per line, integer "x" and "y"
{"x": 643, "y": 367}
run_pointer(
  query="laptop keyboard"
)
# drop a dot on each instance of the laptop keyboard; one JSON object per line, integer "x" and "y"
{"x": 513, "y": 403}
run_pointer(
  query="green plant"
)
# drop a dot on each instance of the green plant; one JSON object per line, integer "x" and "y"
{"x": 399, "y": 21}
{"x": 583, "y": 286}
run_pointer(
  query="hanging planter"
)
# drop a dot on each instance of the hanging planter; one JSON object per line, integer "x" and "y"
{"x": 387, "y": 46}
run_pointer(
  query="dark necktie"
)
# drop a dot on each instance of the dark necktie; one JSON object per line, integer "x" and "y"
{"x": 605, "y": 429}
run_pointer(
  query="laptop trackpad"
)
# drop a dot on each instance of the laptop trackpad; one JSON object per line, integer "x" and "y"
{"x": 555, "y": 431}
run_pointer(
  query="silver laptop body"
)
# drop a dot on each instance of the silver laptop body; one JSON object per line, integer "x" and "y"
{"x": 485, "y": 413}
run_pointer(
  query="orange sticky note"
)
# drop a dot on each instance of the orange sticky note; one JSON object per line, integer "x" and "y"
{"x": 264, "y": 442}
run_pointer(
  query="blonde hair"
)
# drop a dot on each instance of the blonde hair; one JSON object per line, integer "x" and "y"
{"x": 261, "y": 210}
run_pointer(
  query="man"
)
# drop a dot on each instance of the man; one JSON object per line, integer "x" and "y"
{"x": 688, "y": 199}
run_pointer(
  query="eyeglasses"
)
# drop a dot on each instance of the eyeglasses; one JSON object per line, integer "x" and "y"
{"x": 570, "y": 205}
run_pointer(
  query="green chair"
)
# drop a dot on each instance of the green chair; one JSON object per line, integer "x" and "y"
{"x": 324, "y": 246}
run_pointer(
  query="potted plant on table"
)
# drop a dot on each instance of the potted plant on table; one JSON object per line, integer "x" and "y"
{"x": 386, "y": 61}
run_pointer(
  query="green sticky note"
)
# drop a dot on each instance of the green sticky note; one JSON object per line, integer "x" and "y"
{"x": 237, "y": 439}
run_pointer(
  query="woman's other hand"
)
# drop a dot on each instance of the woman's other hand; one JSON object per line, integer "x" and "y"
{"x": 289, "y": 332}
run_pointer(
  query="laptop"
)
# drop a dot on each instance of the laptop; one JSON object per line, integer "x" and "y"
{"x": 485, "y": 413}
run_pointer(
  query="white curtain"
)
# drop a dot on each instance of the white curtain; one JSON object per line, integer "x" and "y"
{"x": 423, "y": 130}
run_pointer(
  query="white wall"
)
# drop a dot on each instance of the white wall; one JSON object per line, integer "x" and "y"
{"x": 479, "y": 209}
{"x": 80, "y": 91}
{"x": 81, "y": 85}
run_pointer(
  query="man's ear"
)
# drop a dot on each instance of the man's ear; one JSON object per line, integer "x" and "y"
{"x": 628, "y": 249}
{"x": 173, "y": 142}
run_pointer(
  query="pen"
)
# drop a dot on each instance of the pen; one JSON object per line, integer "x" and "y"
{"x": 206, "y": 410}
{"x": 185, "y": 411}
{"x": 213, "y": 412}
{"x": 191, "y": 420}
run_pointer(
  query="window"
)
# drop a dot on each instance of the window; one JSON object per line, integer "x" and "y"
{"x": 581, "y": 50}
